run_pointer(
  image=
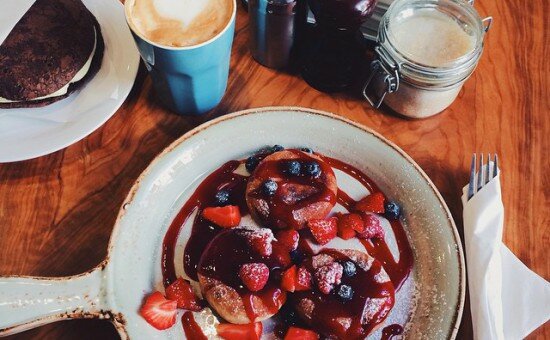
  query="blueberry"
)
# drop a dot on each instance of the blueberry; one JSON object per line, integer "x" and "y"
{"x": 392, "y": 210}
{"x": 349, "y": 268}
{"x": 345, "y": 292}
{"x": 307, "y": 150}
{"x": 296, "y": 256}
{"x": 222, "y": 197}
{"x": 269, "y": 187}
{"x": 292, "y": 168}
{"x": 277, "y": 148}
{"x": 312, "y": 169}
{"x": 251, "y": 163}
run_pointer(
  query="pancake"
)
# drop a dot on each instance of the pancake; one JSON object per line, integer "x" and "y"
{"x": 44, "y": 52}
{"x": 297, "y": 199}
{"x": 220, "y": 282}
{"x": 326, "y": 313}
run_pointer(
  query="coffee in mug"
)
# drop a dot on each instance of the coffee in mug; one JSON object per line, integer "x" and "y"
{"x": 179, "y": 23}
{"x": 186, "y": 47}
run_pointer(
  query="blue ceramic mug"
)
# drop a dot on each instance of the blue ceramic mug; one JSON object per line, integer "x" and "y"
{"x": 189, "y": 80}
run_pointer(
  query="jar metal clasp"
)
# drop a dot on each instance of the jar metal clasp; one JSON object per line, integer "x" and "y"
{"x": 386, "y": 68}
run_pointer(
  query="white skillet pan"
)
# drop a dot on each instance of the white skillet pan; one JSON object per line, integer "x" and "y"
{"x": 115, "y": 289}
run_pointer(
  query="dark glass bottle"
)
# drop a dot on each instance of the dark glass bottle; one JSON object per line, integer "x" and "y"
{"x": 336, "y": 51}
{"x": 276, "y": 28}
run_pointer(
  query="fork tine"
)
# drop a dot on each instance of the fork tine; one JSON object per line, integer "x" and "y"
{"x": 480, "y": 181}
{"x": 495, "y": 166}
{"x": 487, "y": 171}
{"x": 472, "y": 185}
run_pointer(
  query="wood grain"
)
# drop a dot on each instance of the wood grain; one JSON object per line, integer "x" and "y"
{"x": 57, "y": 211}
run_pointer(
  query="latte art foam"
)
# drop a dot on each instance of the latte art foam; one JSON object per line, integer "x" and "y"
{"x": 179, "y": 23}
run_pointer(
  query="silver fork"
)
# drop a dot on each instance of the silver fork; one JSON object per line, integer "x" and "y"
{"x": 482, "y": 178}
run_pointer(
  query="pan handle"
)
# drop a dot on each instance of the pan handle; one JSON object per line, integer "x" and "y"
{"x": 29, "y": 302}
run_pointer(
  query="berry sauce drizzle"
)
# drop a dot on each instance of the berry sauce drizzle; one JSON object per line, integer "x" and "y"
{"x": 399, "y": 270}
{"x": 190, "y": 327}
{"x": 391, "y": 331}
{"x": 204, "y": 231}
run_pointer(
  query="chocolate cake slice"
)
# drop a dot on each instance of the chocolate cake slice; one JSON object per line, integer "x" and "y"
{"x": 52, "y": 51}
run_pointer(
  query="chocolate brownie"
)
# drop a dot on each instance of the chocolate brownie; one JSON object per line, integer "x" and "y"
{"x": 45, "y": 50}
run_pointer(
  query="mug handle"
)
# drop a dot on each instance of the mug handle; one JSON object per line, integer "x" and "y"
{"x": 29, "y": 302}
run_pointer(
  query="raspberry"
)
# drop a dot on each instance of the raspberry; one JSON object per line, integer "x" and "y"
{"x": 373, "y": 229}
{"x": 328, "y": 276}
{"x": 303, "y": 279}
{"x": 254, "y": 275}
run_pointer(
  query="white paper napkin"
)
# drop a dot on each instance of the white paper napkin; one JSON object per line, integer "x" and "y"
{"x": 507, "y": 300}
{"x": 10, "y": 13}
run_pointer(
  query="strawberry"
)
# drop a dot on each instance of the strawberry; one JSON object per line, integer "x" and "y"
{"x": 289, "y": 238}
{"x": 288, "y": 281}
{"x": 259, "y": 239}
{"x": 348, "y": 224}
{"x": 295, "y": 333}
{"x": 323, "y": 230}
{"x": 373, "y": 229}
{"x": 328, "y": 276}
{"x": 345, "y": 232}
{"x": 372, "y": 203}
{"x": 354, "y": 221}
{"x": 226, "y": 217}
{"x": 229, "y": 331}
{"x": 254, "y": 275}
{"x": 181, "y": 292}
{"x": 158, "y": 311}
{"x": 303, "y": 280}
{"x": 296, "y": 279}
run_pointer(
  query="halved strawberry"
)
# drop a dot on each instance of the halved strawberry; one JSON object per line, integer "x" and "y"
{"x": 354, "y": 221}
{"x": 226, "y": 217}
{"x": 229, "y": 331}
{"x": 158, "y": 311}
{"x": 181, "y": 292}
{"x": 254, "y": 275}
{"x": 372, "y": 203}
{"x": 323, "y": 230}
{"x": 296, "y": 279}
{"x": 303, "y": 279}
{"x": 295, "y": 333}
{"x": 289, "y": 238}
{"x": 373, "y": 229}
{"x": 348, "y": 224}
{"x": 288, "y": 281}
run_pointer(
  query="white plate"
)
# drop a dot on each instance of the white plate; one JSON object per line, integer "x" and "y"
{"x": 34, "y": 132}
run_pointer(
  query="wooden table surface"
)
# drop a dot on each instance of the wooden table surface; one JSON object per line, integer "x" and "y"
{"x": 57, "y": 211}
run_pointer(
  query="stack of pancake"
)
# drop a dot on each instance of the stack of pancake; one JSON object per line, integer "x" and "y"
{"x": 52, "y": 51}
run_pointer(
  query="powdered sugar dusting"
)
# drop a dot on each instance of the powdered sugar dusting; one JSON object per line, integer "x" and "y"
{"x": 328, "y": 276}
